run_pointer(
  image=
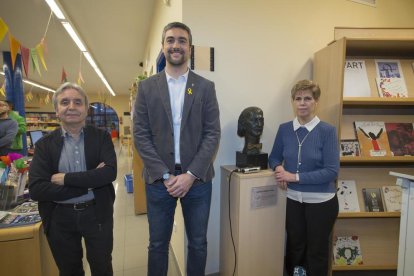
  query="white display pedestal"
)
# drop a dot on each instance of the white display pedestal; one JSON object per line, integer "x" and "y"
{"x": 406, "y": 243}
{"x": 257, "y": 211}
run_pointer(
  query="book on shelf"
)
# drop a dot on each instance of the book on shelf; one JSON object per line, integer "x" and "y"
{"x": 347, "y": 196}
{"x": 356, "y": 79}
{"x": 349, "y": 147}
{"x": 391, "y": 88}
{"x": 372, "y": 138}
{"x": 373, "y": 200}
{"x": 392, "y": 197}
{"x": 347, "y": 251}
{"x": 401, "y": 138}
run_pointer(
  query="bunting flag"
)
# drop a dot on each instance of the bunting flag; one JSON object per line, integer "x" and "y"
{"x": 29, "y": 95}
{"x": 39, "y": 50}
{"x": 14, "y": 48}
{"x": 44, "y": 45}
{"x": 64, "y": 77}
{"x": 25, "y": 59}
{"x": 35, "y": 60}
{"x": 80, "y": 79}
{"x": 47, "y": 98}
{"x": 3, "y": 29}
{"x": 2, "y": 91}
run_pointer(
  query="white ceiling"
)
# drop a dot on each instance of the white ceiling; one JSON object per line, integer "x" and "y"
{"x": 114, "y": 31}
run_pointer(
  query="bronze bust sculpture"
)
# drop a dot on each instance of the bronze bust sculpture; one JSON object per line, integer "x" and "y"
{"x": 250, "y": 126}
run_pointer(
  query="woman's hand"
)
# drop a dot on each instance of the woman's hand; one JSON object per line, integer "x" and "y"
{"x": 280, "y": 183}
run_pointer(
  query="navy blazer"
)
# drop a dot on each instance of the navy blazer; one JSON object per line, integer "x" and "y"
{"x": 98, "y": 148}
{"x": 154, "y": 133}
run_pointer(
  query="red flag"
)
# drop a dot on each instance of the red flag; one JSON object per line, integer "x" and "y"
{"x": 25, "y": 59}
{"x": 64, "y": 75}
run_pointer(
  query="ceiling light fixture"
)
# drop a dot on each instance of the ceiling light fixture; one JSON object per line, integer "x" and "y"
{"x": 55, "y": 8}
{"x": 35, "y": 84}
{"x": 74, "y": 36}
{"x": 78, "y": 41}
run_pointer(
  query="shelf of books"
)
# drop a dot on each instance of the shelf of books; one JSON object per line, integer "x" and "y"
{"x": 46, "y": 121}
{"x": 368, "y": 94}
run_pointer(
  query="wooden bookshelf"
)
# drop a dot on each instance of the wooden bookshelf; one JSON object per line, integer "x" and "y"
{"x": 378, "y": 232}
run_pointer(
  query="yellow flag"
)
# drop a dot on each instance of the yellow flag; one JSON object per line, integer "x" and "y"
{"x": 39, "y": 50}
{"x": 2, "y": 92}
{"x": 3, "y": 29}
{"x": 14, "y": 48}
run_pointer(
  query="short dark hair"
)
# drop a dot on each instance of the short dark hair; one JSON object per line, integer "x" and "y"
{"x": 306, "y": 85}
{"x": 178, "y": 25}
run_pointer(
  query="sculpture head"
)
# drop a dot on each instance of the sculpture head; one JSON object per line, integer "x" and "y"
{"x": 250, "y": 126}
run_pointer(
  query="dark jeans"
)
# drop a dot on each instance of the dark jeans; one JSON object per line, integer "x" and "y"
{"x": 67, "y": 228}
{"x": 161, "y": 209}
{"x": 308, "y": 227}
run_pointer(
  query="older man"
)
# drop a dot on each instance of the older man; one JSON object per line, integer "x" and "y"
{"x": 71, "y": 176}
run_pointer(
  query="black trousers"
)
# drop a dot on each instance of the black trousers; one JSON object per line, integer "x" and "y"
{"x": 308, "y": 227}
{"x": 67, "y": 228}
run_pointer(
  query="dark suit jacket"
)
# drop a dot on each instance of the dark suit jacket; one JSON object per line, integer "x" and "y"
{"x": 98, "y": 148}
{"x": 153, "y": 127}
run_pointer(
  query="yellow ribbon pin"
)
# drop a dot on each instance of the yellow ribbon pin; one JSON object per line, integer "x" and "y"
{"x": 189, "y": 91}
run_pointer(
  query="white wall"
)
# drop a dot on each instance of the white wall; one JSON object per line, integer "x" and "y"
{"x": 262, "y": 48}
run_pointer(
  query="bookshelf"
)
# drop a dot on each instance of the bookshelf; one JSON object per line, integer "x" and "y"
{"x": 378, "y": 232}
{"x": 45, "y": 121}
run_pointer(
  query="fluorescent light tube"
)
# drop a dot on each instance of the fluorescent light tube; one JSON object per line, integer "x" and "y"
{"x": 74, "y": 36}
{"x": 55, "y": 8}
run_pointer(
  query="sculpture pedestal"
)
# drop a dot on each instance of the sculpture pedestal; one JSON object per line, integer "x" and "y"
{"x": 251, "y": 160}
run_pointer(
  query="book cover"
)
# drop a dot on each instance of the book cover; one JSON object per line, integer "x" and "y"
{"x": 347, "y": 196}
{"x": 372, "y": 138}
{"x": 392, "y": 197}
{"x": 350, "y": 147}
{"x": 401, "y": 138}
{"x": 373, "y": 200}
{"x": 356, "y": 79}
{"x": 391, "y": 87}
{"x": 347, "y": 251}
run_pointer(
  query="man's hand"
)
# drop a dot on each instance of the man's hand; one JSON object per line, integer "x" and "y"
{"x": 58, "y": 178}
{"x": 178, "y": 186}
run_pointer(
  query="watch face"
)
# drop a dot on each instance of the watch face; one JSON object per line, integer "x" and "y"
{"x": 165, "y": 176}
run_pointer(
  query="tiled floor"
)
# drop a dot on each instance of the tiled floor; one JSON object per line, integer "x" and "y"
{"x": 130, "y": 231}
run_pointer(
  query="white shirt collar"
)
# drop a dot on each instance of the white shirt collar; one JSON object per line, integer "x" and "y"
{"x": 309, "y": 126}
{"x": 185, "y": 76}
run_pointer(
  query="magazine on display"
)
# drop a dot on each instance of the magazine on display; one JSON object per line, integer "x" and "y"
{"x": 392, "y": 197}
{"x": 347, "y": 196}
{"x": 372, "y": 138}
{"x": 373, "y": 200}
{"x": 24, "y": 214}
{"x": 401, "y": 138}
{"x": 356, "y": 79}
{"x": 347, "y": 251}
{"x": 391, "y": 88}
{"x": 350, "y": 147}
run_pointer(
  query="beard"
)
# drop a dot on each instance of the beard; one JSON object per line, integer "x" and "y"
{"x": 176, "y": 62}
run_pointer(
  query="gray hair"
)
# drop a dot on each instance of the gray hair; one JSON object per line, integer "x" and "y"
{"x": 69, "y": 85}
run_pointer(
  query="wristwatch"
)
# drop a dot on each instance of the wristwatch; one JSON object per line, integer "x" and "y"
{"x": 165, "y": 176}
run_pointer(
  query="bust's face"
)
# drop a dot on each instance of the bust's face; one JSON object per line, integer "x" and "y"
{"x": 254, "y": 125}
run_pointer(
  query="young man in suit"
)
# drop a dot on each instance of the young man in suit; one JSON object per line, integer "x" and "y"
{"x": 177, "y": 133}
{"x": 71, "y": 176}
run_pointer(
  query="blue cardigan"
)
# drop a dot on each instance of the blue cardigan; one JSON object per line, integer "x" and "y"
{"x": 319, "y": 157}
